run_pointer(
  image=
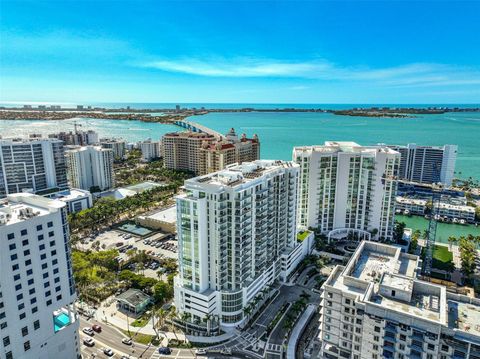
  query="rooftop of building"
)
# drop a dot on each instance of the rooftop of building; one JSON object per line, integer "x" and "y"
{"x": 456, "y": 207}
{"x": 344, "y": 146}
{"x": 20, "y": 140}
{"x": 20, "y": 207}
{"x": 134, "y": 297}
{"x": 86, "y": 148}
{"x": 409, "y": 200}
{"x": 70, "y": 194}
{"x": 237, "y": 174}
{"x": 190, "y": 134}
{"x": 464, "y": 316}
{"x": 127, "y": 191}
{"x": 168, "y": 215}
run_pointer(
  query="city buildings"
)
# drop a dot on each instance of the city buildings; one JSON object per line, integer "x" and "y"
{"x": 346, "y": 188}
{"x": 456, "y": 212}
{"x": 118, "y": 147}
{"x": 150, "y": 150}
{"x": 181, "y": 150}
{"x": 37, "y": 291}
{"x": 90, "y": 167}
{"x": 218, "y": 154}
{"x": 407, "y": 205}
{"x": 77, "y": 138}
{"x": 376, "y": 307}
{"x": 35, "y": 165}
{"x": 233, "y": 227}
{"x": 204, "y": 153}
{"x": 76, "y": 199}
{"x": 427, "y": 164}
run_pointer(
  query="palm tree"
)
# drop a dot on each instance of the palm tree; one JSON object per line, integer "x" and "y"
{"x": 452, "y": 240}
{"x": 208, "y": 319}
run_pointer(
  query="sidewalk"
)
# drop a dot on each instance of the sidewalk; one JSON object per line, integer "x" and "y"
{"x": 110, "y": 315}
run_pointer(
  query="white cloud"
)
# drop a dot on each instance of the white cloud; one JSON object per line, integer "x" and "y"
{"x": 409, "y": 75}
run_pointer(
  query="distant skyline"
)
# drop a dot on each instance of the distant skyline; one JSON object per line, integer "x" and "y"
{"x": 399, "y": 52}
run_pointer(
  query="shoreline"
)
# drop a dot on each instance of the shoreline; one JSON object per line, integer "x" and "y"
{"x": 170, "y": 116}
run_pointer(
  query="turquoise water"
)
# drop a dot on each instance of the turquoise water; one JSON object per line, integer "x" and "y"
{"x": 444, "y": 230}
{"x": 129, "y": 130}
{"x": 135, "y": 229}
{"x": 279, "y": 132}
{"x": 61, "y": 321}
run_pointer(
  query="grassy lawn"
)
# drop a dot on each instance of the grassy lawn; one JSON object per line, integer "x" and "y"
{"x": 302, "y": 235}
{"x": 140, "y": 322}
{"x": 442, "y": 258}
{"x": 140, "y": 338}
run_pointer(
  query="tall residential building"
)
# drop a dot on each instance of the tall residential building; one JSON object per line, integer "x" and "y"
{"x": 347, "y": 188}
{"x": 150, "y": 150}
{"x": 204, "y": 153}
{"x": 377, "y": 307}
{"x": 426, "y": 164}
{"x": 180, "y": 150}
{"x": 217, "y": 155}
{"x": 77, "y": 138}
{"x": 37, "y": 291}
{"x": 90, "y": 166}
{"x": 118, "y": 146}
{"x": 233, "y": 227}
{"x": 31, "y": 165}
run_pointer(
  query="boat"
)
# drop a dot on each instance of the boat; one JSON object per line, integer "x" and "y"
{"x": 455, "y": 220}
{"x": 462, "y": 221}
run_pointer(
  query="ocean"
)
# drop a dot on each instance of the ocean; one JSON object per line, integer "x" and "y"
{"x": 279, "y": 132}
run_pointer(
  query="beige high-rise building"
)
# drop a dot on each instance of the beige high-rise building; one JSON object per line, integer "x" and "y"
{"x": 204, "y": 153}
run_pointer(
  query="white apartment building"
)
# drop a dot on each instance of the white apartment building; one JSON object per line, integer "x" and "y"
{"x": 376, "y": 307}
{"x": 38, "y": 319}
{"x": 347, "y": 188}
{"x": 75, "y": 198}
{"x": 427, "y": 164}
{"x": 150, "y": 150}
{"x": 233, "y": 227}
{"x": 33, "y": 165}
{"x": 119, "y": 147}
{"x": 410, "y": 205}
{"x": 90, "y": 166}
{"x": 462, "y": 213}
{"x": 77, "y": 138}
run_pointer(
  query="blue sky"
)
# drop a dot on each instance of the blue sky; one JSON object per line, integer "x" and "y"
{"x": 240, "y": 51}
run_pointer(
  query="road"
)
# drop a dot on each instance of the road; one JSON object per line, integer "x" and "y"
{"x": 111, "y": 337}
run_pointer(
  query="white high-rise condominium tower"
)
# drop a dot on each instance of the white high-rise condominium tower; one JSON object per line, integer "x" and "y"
{"x": 37, "y": 291}
{"x": 427, "y": 164}
{"x": 31, "y": 165}
{"x": 347, "y": 188}
{"x": 233, "y": 227}
{"x": 150, "y": 150}
{"x": 376, "y": 307}
{"x": 90, "y": 166}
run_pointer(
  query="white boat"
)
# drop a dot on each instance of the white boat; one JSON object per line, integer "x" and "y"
{"x": 462, "y": 221}
{"x": 455, "y": 220}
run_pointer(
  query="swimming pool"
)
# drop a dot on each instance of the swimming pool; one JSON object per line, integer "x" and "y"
{"x": 135, "y": 229}
{"x": 60, "y": 321}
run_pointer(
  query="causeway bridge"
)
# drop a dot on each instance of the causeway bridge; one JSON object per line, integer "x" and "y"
{"x": 196, "y": 127}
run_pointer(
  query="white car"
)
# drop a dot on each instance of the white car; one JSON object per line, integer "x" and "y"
{"x": 88, "y": 331}
{"x": 200, "y": 352}
{"x": 89, "y": 342}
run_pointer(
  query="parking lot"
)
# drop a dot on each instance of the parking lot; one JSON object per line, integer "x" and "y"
{"x": 160, "y": 245}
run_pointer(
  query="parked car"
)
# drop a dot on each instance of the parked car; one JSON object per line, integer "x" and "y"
{"x": 89, "y": 342}
{"x": 97, "y": 328}
{"x": 165, "y": 350}
{"x": 88, "y": 331}
{"x": 200, "y": 352}
{"x": 226, "y": 351}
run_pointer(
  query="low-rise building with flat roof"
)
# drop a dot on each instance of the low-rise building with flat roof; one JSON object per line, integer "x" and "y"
{"x": 164, "y": 219}
{"x": 133, "y": 301}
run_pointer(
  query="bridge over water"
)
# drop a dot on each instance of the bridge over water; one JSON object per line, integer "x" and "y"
{"x": 196, "y": 127}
